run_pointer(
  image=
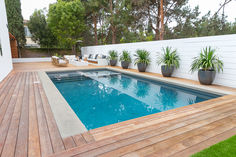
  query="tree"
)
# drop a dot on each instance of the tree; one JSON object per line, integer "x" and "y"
{"x": 117, "y": 15}
{"x": 67, "y": 21}
{"x": 159, "y": 13}
{"x": 92, "y": 13}
{"x": 15, "y": 21}
{"x": 40, "y": 31}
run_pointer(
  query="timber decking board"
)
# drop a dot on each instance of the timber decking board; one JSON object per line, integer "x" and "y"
{"x": 10, "y": 141}
{"x": 45, "y": 141}
{"x": 34, "y": 144}
{"x": 28, "y": 127}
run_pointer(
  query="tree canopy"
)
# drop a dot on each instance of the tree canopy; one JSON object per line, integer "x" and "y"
{"x": 112, "y": 21}
{"x": 15, "y": 21}
{"x": 67, "y": 21}
{"x": 40, "y": 31}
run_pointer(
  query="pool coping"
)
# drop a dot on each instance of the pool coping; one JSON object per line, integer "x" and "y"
{"x": 69, "y": 123}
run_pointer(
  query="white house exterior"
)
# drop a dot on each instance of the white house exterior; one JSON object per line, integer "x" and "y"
{"x": 28, "y": 37}
{"x": 5, "y": 56}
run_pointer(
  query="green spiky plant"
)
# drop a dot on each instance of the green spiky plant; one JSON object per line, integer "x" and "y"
{"x": 207, "y": 61}
{"x": 169, "y": 57}
{"x": 113, "y": 55}
{"x": 125, "y": 56}
{"x": 142, "y": 56}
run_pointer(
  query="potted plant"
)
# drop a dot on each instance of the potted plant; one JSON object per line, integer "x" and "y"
{"x": 170, "y": 60}
{"x": 207, "y": 63}
{"x": 113, "y": 55}
{"x": 142, "y": 60}
{"x": 125, "y": 59}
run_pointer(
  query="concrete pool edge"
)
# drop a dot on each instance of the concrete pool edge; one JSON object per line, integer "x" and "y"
{"x": 178, "y": 83}
{"x": 67, "y": 121}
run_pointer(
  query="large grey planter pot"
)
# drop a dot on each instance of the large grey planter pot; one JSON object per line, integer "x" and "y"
{"x": 125, "y": 64}
{"x": 142, "y": 67}
{"x": 167, "y": 71}
{"x": 113, "y": 62}
{"x": 206, "y": 77}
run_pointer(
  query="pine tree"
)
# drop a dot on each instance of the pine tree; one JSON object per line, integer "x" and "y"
{"x": 15, "y": 21}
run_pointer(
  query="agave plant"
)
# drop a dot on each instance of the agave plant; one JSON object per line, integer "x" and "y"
{"x": 113, "y": 55}
{"x": 142, "y": 56}
{"x": 169, "y": 57}
{"x": 207, "y": 61}
{"x": 125, "y": 56}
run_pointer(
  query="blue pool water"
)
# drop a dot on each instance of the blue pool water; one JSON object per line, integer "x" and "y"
{"x": 105, "y": 97}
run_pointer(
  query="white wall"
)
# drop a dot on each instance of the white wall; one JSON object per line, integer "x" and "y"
{"x": 5, "y": 59}
{"x": 187, "y": 49}
{"x": 24, "y": 60}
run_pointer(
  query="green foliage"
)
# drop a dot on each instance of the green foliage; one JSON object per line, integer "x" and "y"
{"x": 125, "y": 56}
{"x": 113, "y": 55}
{"x": 67, "y": 21}
{"x": 127, "y": 21}
{"x": 223, "y": 149}
{"x": 207, "y": 60}
{"x": 58, "y": 55}
{"x": 15, "y": 21}
{"x": 142, "y": 56}
{"x": 169, "y": 57}
{"x": 40, "y": 31}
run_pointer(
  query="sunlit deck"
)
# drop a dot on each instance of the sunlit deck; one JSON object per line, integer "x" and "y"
{"x": 28, "y": 127}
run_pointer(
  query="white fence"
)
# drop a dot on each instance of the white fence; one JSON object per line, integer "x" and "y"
{"x": 187, "y": 49}
{"x": 22, "y": 60}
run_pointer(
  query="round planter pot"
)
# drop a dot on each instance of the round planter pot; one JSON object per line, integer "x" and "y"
{"x": 125, "y": 64}
{"x": 167, "y": 71}
{"x": 113, "y": 62}
{"x": 142, "y": 67}
{"x": 206, "y": 77}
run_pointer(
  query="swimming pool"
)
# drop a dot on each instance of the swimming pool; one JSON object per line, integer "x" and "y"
{"x": 104, "y": 97}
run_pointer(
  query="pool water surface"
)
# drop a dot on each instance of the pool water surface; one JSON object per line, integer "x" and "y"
{"x": 104, "y": 97}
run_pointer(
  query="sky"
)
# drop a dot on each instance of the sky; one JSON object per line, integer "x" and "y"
{"x": 28, "y": 7}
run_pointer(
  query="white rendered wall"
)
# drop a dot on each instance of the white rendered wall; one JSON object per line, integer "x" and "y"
{"x": 24, "y": 60}
{"x": 187, "y": 49}
{"x": 5, "y": 59}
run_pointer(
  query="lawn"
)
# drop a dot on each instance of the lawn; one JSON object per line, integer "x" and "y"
{"x": 225, "y": 148}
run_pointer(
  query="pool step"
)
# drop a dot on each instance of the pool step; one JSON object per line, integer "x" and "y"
{"x": 69, "y": 79}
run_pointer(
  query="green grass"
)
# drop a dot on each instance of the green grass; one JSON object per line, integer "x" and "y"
{"x": 225, "y": 148}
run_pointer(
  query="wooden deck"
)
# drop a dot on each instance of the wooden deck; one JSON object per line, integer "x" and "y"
{"x": 28, "y": 127}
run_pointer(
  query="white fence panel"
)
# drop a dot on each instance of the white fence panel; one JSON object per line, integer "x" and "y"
{"x": 187, "y": 49}
{"x": 22, "y": 60}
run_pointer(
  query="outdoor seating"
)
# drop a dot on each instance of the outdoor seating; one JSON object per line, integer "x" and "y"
{"x": 59, "y": 61}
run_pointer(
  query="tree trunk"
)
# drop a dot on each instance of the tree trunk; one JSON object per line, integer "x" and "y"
{"x": 113, "y": 28}
{"x": 18, "y": 48}
{"x": 74, "y": 49}
{"x": 102, "y": 35}
{"x": 157, "y": 32}
{"x": 95, "y": 28}
{"x": 162, "y": 21}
